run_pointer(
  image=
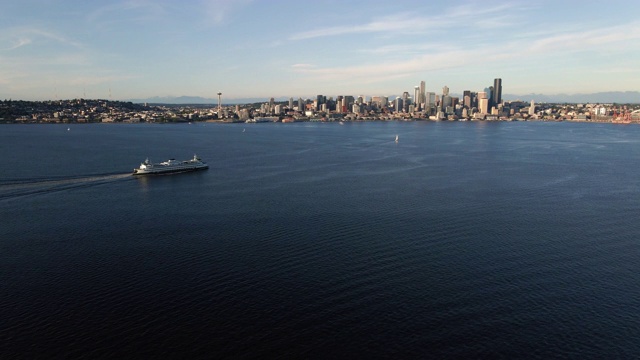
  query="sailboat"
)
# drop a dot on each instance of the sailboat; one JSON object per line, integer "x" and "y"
{"x": 396, "y": 138}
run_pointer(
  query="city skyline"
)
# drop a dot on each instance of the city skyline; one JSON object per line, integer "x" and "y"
{"x": 260, "y": 49}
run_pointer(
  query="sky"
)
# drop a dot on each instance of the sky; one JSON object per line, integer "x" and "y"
{"x": 133, "y": 49}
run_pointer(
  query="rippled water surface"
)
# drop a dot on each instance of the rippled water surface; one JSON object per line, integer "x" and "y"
{"x": 468, "y": 240}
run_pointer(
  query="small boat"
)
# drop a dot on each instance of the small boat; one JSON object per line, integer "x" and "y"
{"x": 396, "y": 138}
{"x": 170, "y": 166}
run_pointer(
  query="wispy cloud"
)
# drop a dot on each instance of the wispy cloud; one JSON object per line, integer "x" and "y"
{"x": 99, "y": 79}
{"x": 302, "y": 67}
{"x": 385, "y": 70}
{"x": 22, "y": 36}
{"x": 18, "y": 43}
{"x": 594, "y": 39}
{"x": 405, "y": 49}
{"x": 426, "y": 57}
{"x": 410, "y": 23}
{"x": 132, "y": 11}
{"x": 219, "y": 12}
{"x": 399, "y": 22}
{"x": 467, "y": 11}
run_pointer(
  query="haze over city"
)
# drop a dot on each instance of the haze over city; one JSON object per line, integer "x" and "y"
{"x": 139, "y": 49}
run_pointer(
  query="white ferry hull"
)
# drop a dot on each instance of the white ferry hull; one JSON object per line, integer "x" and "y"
{"x": 170, "y": 166}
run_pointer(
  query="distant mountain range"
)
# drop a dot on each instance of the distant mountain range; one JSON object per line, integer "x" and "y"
{"x": 198, "y": 100}
{"x": 624, "y": 97}
{"x": 621, "y": 97}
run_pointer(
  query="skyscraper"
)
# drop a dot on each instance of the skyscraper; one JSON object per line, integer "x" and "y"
{"x": 405, "y": 101}
{"x": 422, "y": 93}
{"x": 398, "y": 105}
{"x": 489, "y": 92}
{"x": 430, "y": 99}
{"x": 445, "y": 91}
{"x": 466, "y": 99}
{"x": 532, "y": 108}
{"x": 496, "y": 97}
{"x": 416, "y": 96}
{"x": 483, "y": 102}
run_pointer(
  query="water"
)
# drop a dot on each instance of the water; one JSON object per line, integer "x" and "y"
{"x": 463, "y": 240}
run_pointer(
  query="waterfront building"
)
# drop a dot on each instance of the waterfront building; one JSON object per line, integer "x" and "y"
{"x": 483, "y": 106}
{"x": 290, "y": 103}
{"x": 416, "y": 96}
{"x": 422, "y": 93}
{"x": 300, "y": 105}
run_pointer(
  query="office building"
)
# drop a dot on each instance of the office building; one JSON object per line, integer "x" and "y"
{"x": 532, "y": 108}
{"x": 497, "y": 92}
{"x": 430, "y": 99}
{"x": 483, "y": 102}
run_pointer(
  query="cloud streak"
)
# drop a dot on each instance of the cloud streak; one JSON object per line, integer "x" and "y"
{"x": 409, "y": 23}
{"x": 609, "y": 38}
{"x": 128, "y": 11}
{"x": 18, "y": 43}
{"x": 385, "y": 70}
{"x": 24, "y": 36}
{"x": 218, "y": 12}
{"x": 421, "y": 58}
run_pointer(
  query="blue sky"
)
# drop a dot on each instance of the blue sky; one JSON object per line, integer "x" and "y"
{"x": 142, "y": 48}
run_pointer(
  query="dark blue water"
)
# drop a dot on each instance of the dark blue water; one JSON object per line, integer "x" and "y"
{"x": 463, "y": 240}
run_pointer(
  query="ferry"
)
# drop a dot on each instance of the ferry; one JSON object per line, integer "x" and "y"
{"x": 170, "y": 166}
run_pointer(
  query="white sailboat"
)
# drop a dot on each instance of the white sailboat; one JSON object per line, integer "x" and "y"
{"x": 396, "y": 138}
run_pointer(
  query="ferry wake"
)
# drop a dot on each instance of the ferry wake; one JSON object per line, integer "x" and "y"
{"x": 170, "y": 166}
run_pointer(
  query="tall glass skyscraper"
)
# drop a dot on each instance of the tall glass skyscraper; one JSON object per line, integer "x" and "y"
{"x": 496, "y": 96}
